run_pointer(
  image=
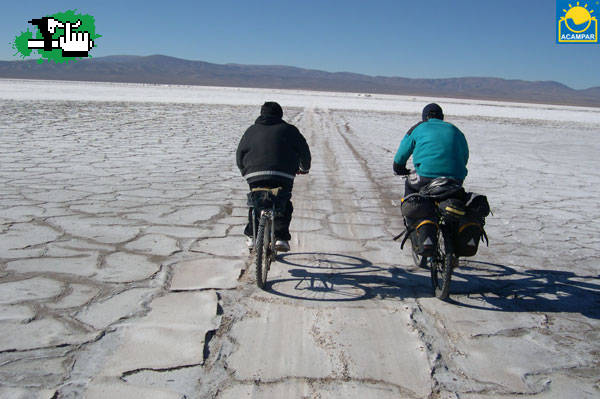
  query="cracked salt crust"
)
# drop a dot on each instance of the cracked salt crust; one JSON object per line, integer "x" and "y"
{"x": 142, "y": 189}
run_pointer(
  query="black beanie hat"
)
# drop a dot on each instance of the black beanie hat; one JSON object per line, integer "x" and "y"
{"x": 271, "y": 108}
{"x": 432, "y": 111}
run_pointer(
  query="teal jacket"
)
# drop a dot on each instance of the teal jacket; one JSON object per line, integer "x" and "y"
{"x": 438, "y": 149}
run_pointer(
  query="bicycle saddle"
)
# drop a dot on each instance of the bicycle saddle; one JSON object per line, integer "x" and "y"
{"x": 266, "y": 197}
{"x": 274, "y": 191}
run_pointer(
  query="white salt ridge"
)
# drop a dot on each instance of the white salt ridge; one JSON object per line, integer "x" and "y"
{"x": 14, "y": 89}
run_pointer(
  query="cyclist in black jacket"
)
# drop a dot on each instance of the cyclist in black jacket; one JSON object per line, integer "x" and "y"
{"x": 270, "y": 154}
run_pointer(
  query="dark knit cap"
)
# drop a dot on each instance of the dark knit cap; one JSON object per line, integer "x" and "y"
{"x": 272, "y": 109}
{"x": 432, "y": 111}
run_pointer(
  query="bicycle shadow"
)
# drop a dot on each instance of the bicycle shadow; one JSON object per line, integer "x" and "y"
{"x": 333, "y": 277}
{"x": 509, "y": 290}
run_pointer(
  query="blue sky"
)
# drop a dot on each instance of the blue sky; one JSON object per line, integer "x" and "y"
{"x": 434, "y": 39}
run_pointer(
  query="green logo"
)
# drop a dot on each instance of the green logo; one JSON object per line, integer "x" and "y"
{"x": 61, "y": 37}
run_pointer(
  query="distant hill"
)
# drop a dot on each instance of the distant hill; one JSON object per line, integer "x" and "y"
{"x": 161, "y": 69}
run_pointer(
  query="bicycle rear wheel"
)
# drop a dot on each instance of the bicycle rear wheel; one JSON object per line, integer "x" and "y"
{"x": 441, "y": 266}
{"x": 263, "y": 244}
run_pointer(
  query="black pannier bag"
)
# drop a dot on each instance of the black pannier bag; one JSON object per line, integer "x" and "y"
{"x": 420, "y": 216}
{"x": 424, "y": 237}
{"x": 415, "y": 206}
{"x": 470, "y": 232}
{"x": 477, "y": 205}
{"x": 470, "y": 227}
{"x": 452, "y": 208}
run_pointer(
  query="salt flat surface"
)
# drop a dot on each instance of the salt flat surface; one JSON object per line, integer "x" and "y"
{"x": 123, "y": 269}
{"x": 11, "y": 89}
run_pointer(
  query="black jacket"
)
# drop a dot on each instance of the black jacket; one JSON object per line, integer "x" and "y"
{"x": 272, "y": 148}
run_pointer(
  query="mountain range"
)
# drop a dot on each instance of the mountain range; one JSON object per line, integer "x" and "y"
{"x": 160, "y": 69}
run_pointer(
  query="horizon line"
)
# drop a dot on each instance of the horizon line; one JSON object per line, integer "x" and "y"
{"x": 321, "y": 70}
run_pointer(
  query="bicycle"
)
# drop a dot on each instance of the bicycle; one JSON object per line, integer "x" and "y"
{"x": 269, "y": 203}
{"x": 266, "y": 201}
{"x": 445, "y": 259}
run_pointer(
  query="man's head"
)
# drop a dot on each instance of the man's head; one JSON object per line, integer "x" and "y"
{"x": 432, "y": 111}
{"x": 272, "y": 109}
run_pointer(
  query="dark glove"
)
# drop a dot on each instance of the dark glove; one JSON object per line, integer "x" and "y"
{"x": 401, "y": 169}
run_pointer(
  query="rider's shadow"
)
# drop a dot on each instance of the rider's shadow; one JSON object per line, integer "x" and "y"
{"x": 511, "y": 290}
{"x": 336, "y": 277}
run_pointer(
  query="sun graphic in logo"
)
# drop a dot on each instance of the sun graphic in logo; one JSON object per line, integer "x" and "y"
{"x": 579, "y": 17}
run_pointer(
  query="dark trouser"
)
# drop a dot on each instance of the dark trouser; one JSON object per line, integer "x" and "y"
{"x": 283, "y": 219}
{"x": 414, "y": 183}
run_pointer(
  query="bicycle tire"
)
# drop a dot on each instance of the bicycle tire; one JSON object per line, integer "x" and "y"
{"x": 267, "y": 251}
{"x": 441, "y": 266}
{"x": 441, "y": 276}
{"x": 260, "y": 252}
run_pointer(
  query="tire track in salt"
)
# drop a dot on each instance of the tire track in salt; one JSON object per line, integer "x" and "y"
{"x": 331, "y": 314}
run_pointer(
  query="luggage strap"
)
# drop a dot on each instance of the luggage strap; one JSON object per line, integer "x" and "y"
{"x": 487, "y": 243}
{"x": 464, "y": 226}
{"x": 406, "y": 234}
{"x": 426, "y": 221}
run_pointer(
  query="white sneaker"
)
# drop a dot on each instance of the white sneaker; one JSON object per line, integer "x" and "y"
{"x": 282, "y": 246}
{"x": 250, "y": 243}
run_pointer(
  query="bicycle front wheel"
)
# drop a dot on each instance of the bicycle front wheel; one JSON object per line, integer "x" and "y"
{"x": 441, "y": 275}
{"x": 441, "y": 267}
{"x": 263, "y": 242}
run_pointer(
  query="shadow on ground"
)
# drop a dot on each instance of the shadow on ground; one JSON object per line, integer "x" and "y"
{"x": 332, "y": 277}
{"x": 511, "y": 290}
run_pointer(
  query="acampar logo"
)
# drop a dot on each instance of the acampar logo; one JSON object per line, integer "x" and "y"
{"x": 576, "y": 24}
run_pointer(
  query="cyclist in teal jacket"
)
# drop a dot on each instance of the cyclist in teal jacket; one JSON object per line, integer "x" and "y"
{"x": 438, "y": 149}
